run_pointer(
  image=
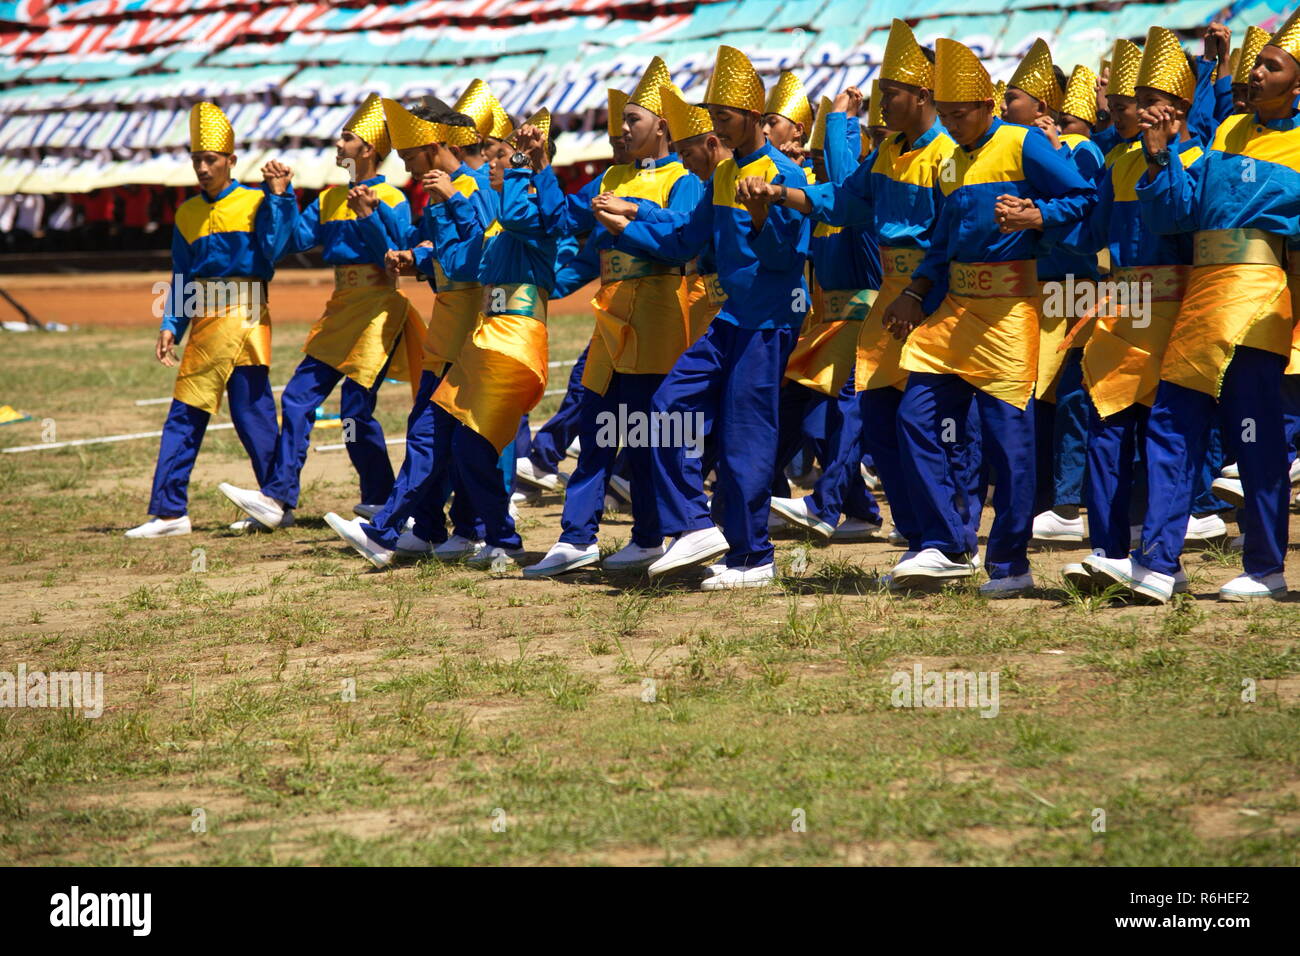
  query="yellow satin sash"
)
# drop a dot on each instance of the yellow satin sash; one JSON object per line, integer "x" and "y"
{"x": 501, "y": 373}
{"x": 234, "y": 328}
{"x": 359, "y": 328}
{"x": 878, "y": 352}
{"x": 1293, "y": 283}
{"x": 827, "y": 350}
{"x": 1232, "y": 299}
{"x": 455, "y": 311}
{"x": 1121, "y": 361}
{"x": 985, "y": 330}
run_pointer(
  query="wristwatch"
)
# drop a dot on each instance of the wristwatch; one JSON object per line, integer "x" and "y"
{"x": 1161, "y": 158}
{"x": 520, "y": 160}
{"x": 1103, "y": 117}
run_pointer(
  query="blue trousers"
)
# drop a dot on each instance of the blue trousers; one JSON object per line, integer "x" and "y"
{"x": 1116, "y": 477}
{"x": 932, "y": 407}
{"x": 730, "y": 376}
{"x": 801, "y": 428}
{"x": 252, "y": 409}
{"x": 1251, "y": 417}
{"x": 1291, "y": 413}
{"x": 546, "y": 449}
{"x": 584, "y": 496}
{"x": 310, "y": 385}
{"x": 1061, "y": 438}
{"x": 840, "y": 488}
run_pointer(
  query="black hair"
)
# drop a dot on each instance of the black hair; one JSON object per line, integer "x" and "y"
{"x": 427, "y": 113}
{"x": 452, "y": 118}
{"x": 435, "y": 104}
{"x": 1061, "y": 79}
{"x": 927, "y": 53}
{"x": 550, "y": 148}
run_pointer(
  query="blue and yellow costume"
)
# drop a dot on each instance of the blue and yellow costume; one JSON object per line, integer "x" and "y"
{"x": 223, "y": 256}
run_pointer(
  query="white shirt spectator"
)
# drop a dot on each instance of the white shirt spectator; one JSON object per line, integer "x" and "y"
{"x": 31, "y": 210}
{"x": 8, "y": 207}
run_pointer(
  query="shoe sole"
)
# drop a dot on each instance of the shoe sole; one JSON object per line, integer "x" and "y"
{"x": 1114, "y": 577}
{"x": 372, "y": 558}
{"x": 766, "y": 582}
{"x": 803, "y": 521}
{"x": 1234, "y": 598}
{"x": 702, "y": 557}
{"x": 1058, "y": 537}
{"x": 554, "y": 485}
{"x": 920, "y": 582}
{"x": 1231, "y": 497}
{"x": 583, "y": 562}
{"x": 630, "y": 566}
{"x": 165, "y": 534}
{"x": 1018, "y": 592}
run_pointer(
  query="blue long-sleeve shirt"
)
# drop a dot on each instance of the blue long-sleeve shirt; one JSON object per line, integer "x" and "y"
{"x": 346, "y": 240}
{"x": 761, "y": 271}
{"x": 240, "y": 233}
{"x": 1248, "y": 178}
{"x": 1011, "y": 160}
{"x": 456, "y": 227}
{"x": 1057, "y": 259}
{"x": 517, "y": 248}
{"x": 843, "y": 257}
{"x": 1203, "y": 115}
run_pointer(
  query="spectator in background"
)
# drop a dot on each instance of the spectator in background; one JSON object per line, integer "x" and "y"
{"x": 28, "y": 222}
{"x": 98, "y": 211}
{"x": 135, "y": 215}
{"x": 62, "y": 220}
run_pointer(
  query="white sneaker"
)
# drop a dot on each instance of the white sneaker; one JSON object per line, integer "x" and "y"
{"x": 574, "y": 449}
{"x": 887, "y": 579}
{"x": 977, "y": 560}
{"x": 928, "y": 568}
{"x": 563, "y": 557}
{"x": 525, "y": 497}
{"x": 694, "y": 547}
{"x": 412, "y": 545}
{"x": 267, "y": 511}
{"x": 350, "y": 531}
{"x": 856, "y": 529}
{"x": 1247, "y": 588}
{"x": 896, "y": 539}
{"x": 870, "y": 477}
{"x": 1209, "y": 528}
{"x": 487, "y": 557}
{"x": 1010, "y": 586}
{"x": 1049, "y": 526}
{"x": 795, "y": 511}
{"x": 252, "y": 525}
{"x": 161, "y": 528}
{"x": 366, "y": 511}
{"x": 621, "y": 489}
{"x": 1229, "y": 490}
{"x": 730, "y": 578}
{"x": 1294, "y": 473}
{"x": 529, "y": 473}
{"x": 1133, "y": 576}
{"x": 1078, "y": 576}
{"x": 632, "y": 558}
{"x": 513, "y": 511}
{"x": 457, "y": 547}
{"x": 1230, "y": 471}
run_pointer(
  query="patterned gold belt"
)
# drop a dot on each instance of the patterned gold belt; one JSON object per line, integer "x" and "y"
{"x": 900, "y": 260}
{"x": 851, "y": 304}
{"x": 1018, "y": 279}
{"x": 1238, "y": 247}
{"x": 361, "y": 276}
{"x": 713, "y": 286}
{"x": 616, "y": 266}
{"x": 518, "y": 298}
{"x": 1168, "y": 283}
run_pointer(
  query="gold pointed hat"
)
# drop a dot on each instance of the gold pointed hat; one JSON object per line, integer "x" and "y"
{"x": 502, "y": 127}
{"x": 647, "y": 94}
{"x": 617, "y": 100}
{"x": 1036, "y": 77}
{"x": 541, "y": 119}
{"x": 1125, "y": 59}
{"x": 1288, "y": 38}
{"x": 454, "y": 135}
{"x": 788, "y": 99}
{"x": 959, "y": 76}
{"x": 904, "y": 61}
{"x": 734, "y": 82}
{"x": 999, "y": 92}
{"x": 1256, "y": 39}
{"x": 684, "y": 120}
{"x": 876, "y": 108}
{"x": 368, "y": 123}
{"x": 817, "y": 139}
{"x": 476, "y": 103}
{"x": 1164, "y": 65}
{"x": 408, "y": 131}
{"x": 210, "y": 130}
{"x": 1081, "y": 95}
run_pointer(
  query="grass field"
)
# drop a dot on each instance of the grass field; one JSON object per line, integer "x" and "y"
{"x": 588, "y": 720}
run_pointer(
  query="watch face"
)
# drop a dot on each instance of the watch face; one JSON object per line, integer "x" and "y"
{"x": 518, "y": 160}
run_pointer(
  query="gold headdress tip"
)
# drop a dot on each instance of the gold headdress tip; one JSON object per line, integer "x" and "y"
{"x": 1164, "y": 65}
{"x": 1081, "y": 95}
{"x": 1256, "y": 39}
{"x": 817, "y": 140}
{"x": 1036, "y": 77}
{"x": 684, "y": 120}
{"x": 454, "y": 135}
{"x": 616, "y": 100}
{"x": 646, "y": 95}
{"x": 734, "y": 82}
{"x": 368, "y": 123}
{"x": 408, "y": 131}
{"x": 787, "y": 98}
{"x": 959, "y": 76}
{"x": 875, "y": 109}
{"x": 541, "y": 119}
{"x": 1288, "y": 37}
{"x": 210, "y": 130}
{"x": 476, "y": 103}
{"x": 904, "y": 60}
{"x": 1125, "y": 60}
